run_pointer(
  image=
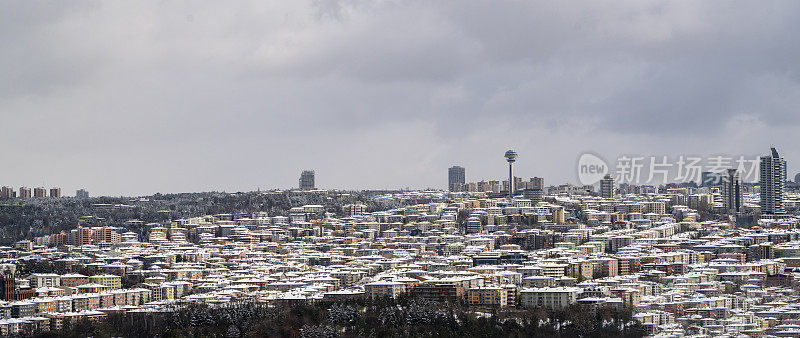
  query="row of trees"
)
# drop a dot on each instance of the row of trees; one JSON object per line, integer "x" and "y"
{"x": 403, "y": 317}
{"x": 25, "y": 219}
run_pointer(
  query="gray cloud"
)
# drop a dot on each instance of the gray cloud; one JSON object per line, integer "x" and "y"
{"x": 134, "y": 98}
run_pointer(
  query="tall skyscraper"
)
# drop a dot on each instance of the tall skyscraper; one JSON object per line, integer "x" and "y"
{"x": 732, "y": 192}
{"x": 24, "y": 192}
{"x": 607, "y": 186}
{"x": 773, "y": 183}
{"x": 511, "y": 157}
{"x": 456, "y": 178}
{"x": 307, "y": 180}
{"x": 55, "y": 192}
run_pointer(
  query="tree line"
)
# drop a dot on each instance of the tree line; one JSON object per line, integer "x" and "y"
{"x": 384, "y": 317}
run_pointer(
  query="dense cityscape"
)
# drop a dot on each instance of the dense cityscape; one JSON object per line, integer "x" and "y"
{"x": 720, "y": 257}
{"x": 396, "y": 168}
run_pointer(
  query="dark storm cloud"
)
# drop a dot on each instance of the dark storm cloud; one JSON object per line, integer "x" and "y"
{"x": 133, "y": 98}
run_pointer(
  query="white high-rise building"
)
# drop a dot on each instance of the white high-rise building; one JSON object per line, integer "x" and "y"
{"x": 773, "y": 183}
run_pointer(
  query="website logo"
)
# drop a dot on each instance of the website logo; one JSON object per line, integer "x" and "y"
{"x": 591, "y": 168}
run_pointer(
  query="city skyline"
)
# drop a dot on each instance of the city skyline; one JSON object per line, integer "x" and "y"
{"x": 612, "y": 170}
{"x": 456, "y": 174}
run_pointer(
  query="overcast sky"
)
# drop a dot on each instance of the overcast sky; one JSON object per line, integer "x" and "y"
{"x": 139, "y": 97}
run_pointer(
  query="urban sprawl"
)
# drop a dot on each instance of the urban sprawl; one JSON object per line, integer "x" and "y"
{"x": 708, "y": 258}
